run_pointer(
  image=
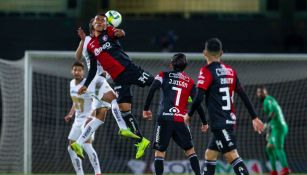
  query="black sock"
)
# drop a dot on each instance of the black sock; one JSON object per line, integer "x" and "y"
{"x": 209, "y": 167}
{"x": 132, "y": 124}
{"x": 239, "y": 167}
{"x": 159, "y": 166}
{"x": 194, "y": 163}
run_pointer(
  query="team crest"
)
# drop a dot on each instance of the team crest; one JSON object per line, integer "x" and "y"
{"x": 105, "y": 37}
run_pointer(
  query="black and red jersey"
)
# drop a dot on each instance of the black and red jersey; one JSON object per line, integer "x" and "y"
{"x": 108, "y": 51}
{"x": 176, "y": 88}
{"x": 219, "y": 81}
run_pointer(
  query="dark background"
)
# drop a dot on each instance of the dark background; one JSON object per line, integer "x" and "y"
{"x": 278, "y": 27}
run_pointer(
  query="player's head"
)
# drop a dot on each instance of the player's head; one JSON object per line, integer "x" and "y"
{"x": 179, "y": 62}
{"x": 100, "y": 22}
{"x": 77, "y": 70}
{"x": 213, "y": 49}
{"x": 262, "y": 92}
{"x": 91, "y": 26}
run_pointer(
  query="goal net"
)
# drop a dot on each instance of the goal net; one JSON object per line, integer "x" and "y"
{"x": 35, "y": 98}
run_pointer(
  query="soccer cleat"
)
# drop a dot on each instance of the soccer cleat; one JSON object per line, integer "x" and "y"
{"x": 273, "y": 173}
{"x": 141, "y": 146}
{"x": 128, "y": 133}
{"x": 77, "y": 149}
{"x": 285, "y": 171}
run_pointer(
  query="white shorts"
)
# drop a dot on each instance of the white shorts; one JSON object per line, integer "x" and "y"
{"x": 97, "y": 102}
{"x": 76, "y": 131}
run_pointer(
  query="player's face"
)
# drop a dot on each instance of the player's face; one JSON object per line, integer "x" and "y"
{"x": 260, "y": 94}
{"x": 77, "y": 72}
{"x": 100, "y": 23}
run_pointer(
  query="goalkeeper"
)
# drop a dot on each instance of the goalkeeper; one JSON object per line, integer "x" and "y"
{"x": 278, "y": 130}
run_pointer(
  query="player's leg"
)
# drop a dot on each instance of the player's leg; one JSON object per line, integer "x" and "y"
{"x": 124, "y": 102}
{"x": 74, "y": 133}
{"x": 226, "y": 142}
{"x": 89, "y": 129}
{"x": 211, "y": 155}
{"x": 91, "y": 152}
{"x": 162, "y": 136}
{"x": 279, "y": 149}
{"x": 272, "y": 157}
{"x": 110, "y": 97}
{"x": 182, "y": 136}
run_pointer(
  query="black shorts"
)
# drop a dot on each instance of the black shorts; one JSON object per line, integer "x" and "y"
{"x": 166, "y": 129}
{"x": 222, "y": 140}
{"x": 132, "y": 75}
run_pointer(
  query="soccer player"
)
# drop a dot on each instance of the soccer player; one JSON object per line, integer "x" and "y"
{"x": 177, "y": 86}
{"x": 218, "y": 82}
{"x": 82, "y": 109}
{"x": 82, "y": 51}
{"x": 105, "y": 48}
{"x": 278, "y": 131}
{"x": 102, "y": 101}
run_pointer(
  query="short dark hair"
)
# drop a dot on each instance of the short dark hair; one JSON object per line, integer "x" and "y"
{"x": 78, "y": 63}
{"x": 101, "y": 14}
{"x": 179, "y": 62}
{"x": 213, "y": 45}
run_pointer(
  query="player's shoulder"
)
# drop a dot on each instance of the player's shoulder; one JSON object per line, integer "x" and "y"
{"x": 72, "y": 82}
{"x": 87, "y": 40}
{"x": 188, "y": 77}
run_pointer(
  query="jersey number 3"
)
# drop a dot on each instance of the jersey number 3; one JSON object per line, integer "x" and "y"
{"x": 226, "y": 98}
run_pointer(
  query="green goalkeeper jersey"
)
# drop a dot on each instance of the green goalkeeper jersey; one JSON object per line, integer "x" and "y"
{"x": 270, "y": 105}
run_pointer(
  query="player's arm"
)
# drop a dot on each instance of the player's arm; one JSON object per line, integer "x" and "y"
{"x": 118, "y": 33}
{"x": 70, "y": 114}
{"x": 82, "y": 35}
{"x": 200, "y": 109}
{"x": 156, "y": 84}
{"x": 257, "y": 123}
{"x": 90, "y": 76}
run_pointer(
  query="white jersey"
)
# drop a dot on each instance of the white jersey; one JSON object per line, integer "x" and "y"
{"x": 87, "y": 58}
{"x": 82, "y": 103}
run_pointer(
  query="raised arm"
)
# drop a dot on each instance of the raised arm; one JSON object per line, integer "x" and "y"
{"x": 90, "y": 76}
{"x": 82, "y": 35}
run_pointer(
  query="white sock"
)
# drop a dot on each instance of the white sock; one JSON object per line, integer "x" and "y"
{"x": 117, "y": 115}
{"x": 92, "y": 155}
{"x": 89, "y": 129}
{"x": 76, "y": 161}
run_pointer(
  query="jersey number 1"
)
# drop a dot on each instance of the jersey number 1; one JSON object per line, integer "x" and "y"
{"x": 178, "y": 95}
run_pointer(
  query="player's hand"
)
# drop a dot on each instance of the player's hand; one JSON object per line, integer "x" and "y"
{"x": 82, "y": 90}
{"x": 258, "y": 125}
{"x": 81, "y": 33}
{"x": 186, "y": 119}
{"x": 119, "y": 33}
{"x": 147, "y": 115}
{"x": 204, "y": 128}
{"x": 67, "y": 118}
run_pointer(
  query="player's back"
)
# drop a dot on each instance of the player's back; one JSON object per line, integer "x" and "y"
{"x": 176, "y": 87}
{"x": 219, "y": 80}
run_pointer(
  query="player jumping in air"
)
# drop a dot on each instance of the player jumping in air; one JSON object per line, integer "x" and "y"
{"x": 177, "y": 86}
{"x": 104, "y": 100}
{"x": 82, "y": 109}
{"x": 218, "y": 82}
{"x": 105, "y": 48}
{"x": 278, "y": 128}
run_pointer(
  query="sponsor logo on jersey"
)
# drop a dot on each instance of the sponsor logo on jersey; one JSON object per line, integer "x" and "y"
{"x": 224, "y": 71}
{"x": 105, "y": 46}
{"x": 180, "y": 76}
{"x": 172, "y": 112}
{"x": 105, "y": 38}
